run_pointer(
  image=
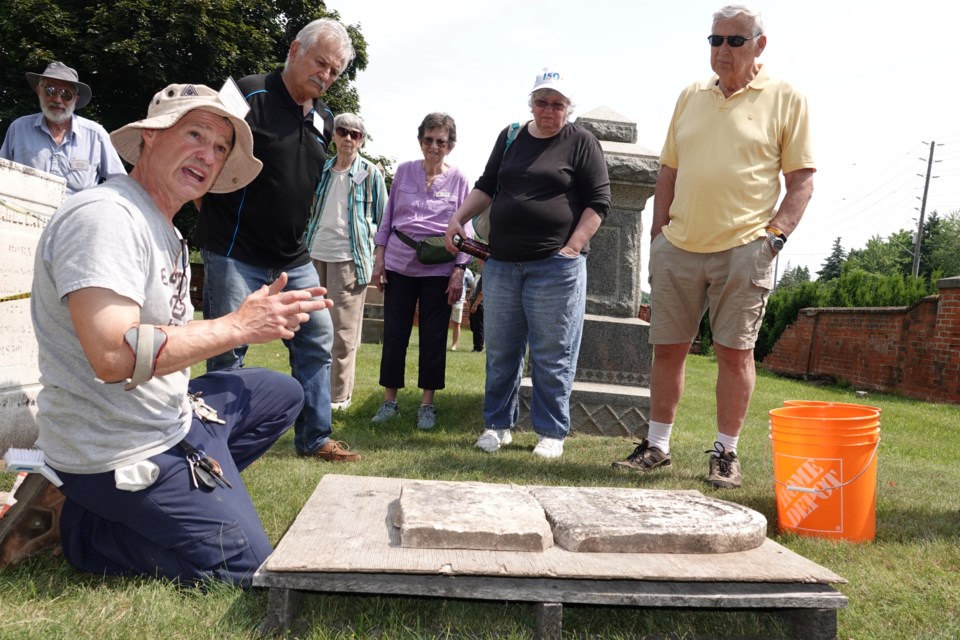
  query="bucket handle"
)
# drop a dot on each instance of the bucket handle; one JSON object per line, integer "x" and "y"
{"x": 789, "y": 487}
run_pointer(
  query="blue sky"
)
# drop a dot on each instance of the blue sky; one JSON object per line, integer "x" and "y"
{"x": 881, "y": 82}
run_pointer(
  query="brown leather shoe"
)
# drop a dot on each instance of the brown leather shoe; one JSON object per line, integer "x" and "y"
{"x": 31, "y": 525}
{"x": 335, "y": 451}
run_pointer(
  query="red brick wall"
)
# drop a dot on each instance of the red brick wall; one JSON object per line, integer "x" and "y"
{"x": 914, "y": 351}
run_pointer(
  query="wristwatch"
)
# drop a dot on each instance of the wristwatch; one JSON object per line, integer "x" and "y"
{"x": 776, "y": 238}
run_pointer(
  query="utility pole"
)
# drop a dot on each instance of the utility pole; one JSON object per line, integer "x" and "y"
{"x": 923, "y": 207}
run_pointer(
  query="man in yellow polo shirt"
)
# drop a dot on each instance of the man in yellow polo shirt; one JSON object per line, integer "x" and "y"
{"x": 717, "y": 230}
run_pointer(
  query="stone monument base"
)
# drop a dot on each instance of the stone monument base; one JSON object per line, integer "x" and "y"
{"x": 18, "y": 417}
{"x": 598, "y": 409}
{"x": 611, "y": 391}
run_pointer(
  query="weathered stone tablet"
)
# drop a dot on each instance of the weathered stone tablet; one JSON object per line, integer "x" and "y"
{"x": 470, "y": 515}
{"x": 617, "y": 520}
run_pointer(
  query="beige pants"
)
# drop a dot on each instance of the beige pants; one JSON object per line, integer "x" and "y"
{"x": 340, "y": 280}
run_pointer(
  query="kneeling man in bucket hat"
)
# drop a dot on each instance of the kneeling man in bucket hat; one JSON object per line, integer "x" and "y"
{"x": 58, "y": 141}
{"x": 150, "y": 460}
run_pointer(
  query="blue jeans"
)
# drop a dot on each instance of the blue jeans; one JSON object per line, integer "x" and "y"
{"x": 226, "y": 282}
{"x": 172, "y": 529}
{"x": 540, "y": 303}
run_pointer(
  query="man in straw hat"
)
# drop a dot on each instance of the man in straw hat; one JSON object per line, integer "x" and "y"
{"x": 58, "y": 141}
{"x": 150, "y": 460}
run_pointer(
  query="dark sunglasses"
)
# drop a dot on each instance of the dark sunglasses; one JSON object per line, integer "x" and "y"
{"x": 733, "y": 41}
{"x": 553, "y": 106}
{"x": 349, "y": 133}
{"x": 65, "y": 94}
{"x": 429, "y": 142}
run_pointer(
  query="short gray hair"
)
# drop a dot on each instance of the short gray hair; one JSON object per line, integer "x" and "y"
{"x": 542, "y": 94}
{"x": 439, "y": 121}
{"x": 734, "y": 10}
{"x": 350, "y": 121}
{"x": 330, "y": 31}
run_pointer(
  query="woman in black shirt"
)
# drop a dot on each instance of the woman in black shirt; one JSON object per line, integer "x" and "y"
{"x": 552, "y": 192}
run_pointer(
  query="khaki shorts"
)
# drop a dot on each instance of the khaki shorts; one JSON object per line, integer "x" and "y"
{"x": 733, "y": 285}
{"x": 456, "y": 313}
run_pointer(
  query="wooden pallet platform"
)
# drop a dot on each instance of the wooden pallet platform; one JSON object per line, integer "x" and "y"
{"x": 357, "y": 512}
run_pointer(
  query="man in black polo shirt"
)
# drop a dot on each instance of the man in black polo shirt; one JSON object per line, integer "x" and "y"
{"x": 249, "y": 237}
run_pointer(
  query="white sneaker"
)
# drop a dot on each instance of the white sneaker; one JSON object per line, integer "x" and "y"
{"x": 341, "y": 406}
{"x": 492, "y": 439}
{"x": 548, "y": 447}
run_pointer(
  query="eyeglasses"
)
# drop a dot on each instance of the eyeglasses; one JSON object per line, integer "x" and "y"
{"x": 65, "y": 94}
{"x": 553, "y": 106}
{"x": 343, "y": 132}
{"x": 427, "y": 141}
{"x": 733, "y": 41}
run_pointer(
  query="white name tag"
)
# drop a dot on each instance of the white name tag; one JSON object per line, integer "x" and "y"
{"x": 443, "y": 194}
{"x": 232, "y": 99}
{"x": 360, "y": 176}
{"x": 79, "y": 165}
{"x": 317, "y": 122}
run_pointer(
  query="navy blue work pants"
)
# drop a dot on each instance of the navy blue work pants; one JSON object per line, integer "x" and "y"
{"x": 172, "y": 529}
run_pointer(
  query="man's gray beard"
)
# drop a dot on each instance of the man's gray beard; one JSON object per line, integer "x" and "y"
{"x": 57, "y": 117}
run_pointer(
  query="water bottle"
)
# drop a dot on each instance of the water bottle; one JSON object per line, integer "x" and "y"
{"x": 473, "y": 247}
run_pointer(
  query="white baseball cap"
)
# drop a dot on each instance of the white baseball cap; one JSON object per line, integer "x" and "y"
{"x": 554, "y": 79}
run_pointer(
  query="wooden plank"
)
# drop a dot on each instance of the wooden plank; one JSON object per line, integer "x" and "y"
{"x": 708, "y": 595}
{"x": 357, "y": 511}
{"x": 816, "y": 624}
{"x": 548, "y": 620}
{"x": 282, "y": 608}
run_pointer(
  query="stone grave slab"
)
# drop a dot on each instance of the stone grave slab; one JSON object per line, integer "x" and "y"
{"x": 615, "y": 520}
{"x": 28, "y": 198}
{"x": 471, "y": 515}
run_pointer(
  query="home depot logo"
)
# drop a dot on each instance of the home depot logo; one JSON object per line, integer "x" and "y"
{"x": 819, "y": 510}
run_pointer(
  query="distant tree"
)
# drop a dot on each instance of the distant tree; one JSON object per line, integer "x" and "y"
{"x": 887, "y": 257}
{"x": 833, "y": 265}
{"x": 793, "y": 276}
{"x": 932, "y": 229}
{"x": 943, "y": 251}
{"x": 127, "y": 50}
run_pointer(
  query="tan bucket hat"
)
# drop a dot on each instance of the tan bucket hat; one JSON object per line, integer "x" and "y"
{"x": 60, "y": 71}
{"x": 166, "y": 109}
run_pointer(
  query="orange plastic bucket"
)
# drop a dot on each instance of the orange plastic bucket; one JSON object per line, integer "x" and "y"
{"x": 824, "y": 403}
{"x": 827, "y": 421}
{"x": 799, "y": 437}
{"x": 825, "y": 470}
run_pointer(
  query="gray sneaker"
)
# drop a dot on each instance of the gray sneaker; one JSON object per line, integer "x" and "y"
{"x": 386, "y": 411}
{"x": 643, "y": 459}
{"x": 724, "y": 468}
{"x": 426, "y": 417}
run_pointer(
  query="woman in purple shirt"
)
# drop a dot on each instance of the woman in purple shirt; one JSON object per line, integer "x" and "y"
{"x": 423, "y": 197}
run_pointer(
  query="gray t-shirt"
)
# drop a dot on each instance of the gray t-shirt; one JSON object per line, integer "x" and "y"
{"x": 112, "y": 237}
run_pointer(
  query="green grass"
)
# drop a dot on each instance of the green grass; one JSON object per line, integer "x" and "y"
{"x": 906, "y": 584}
